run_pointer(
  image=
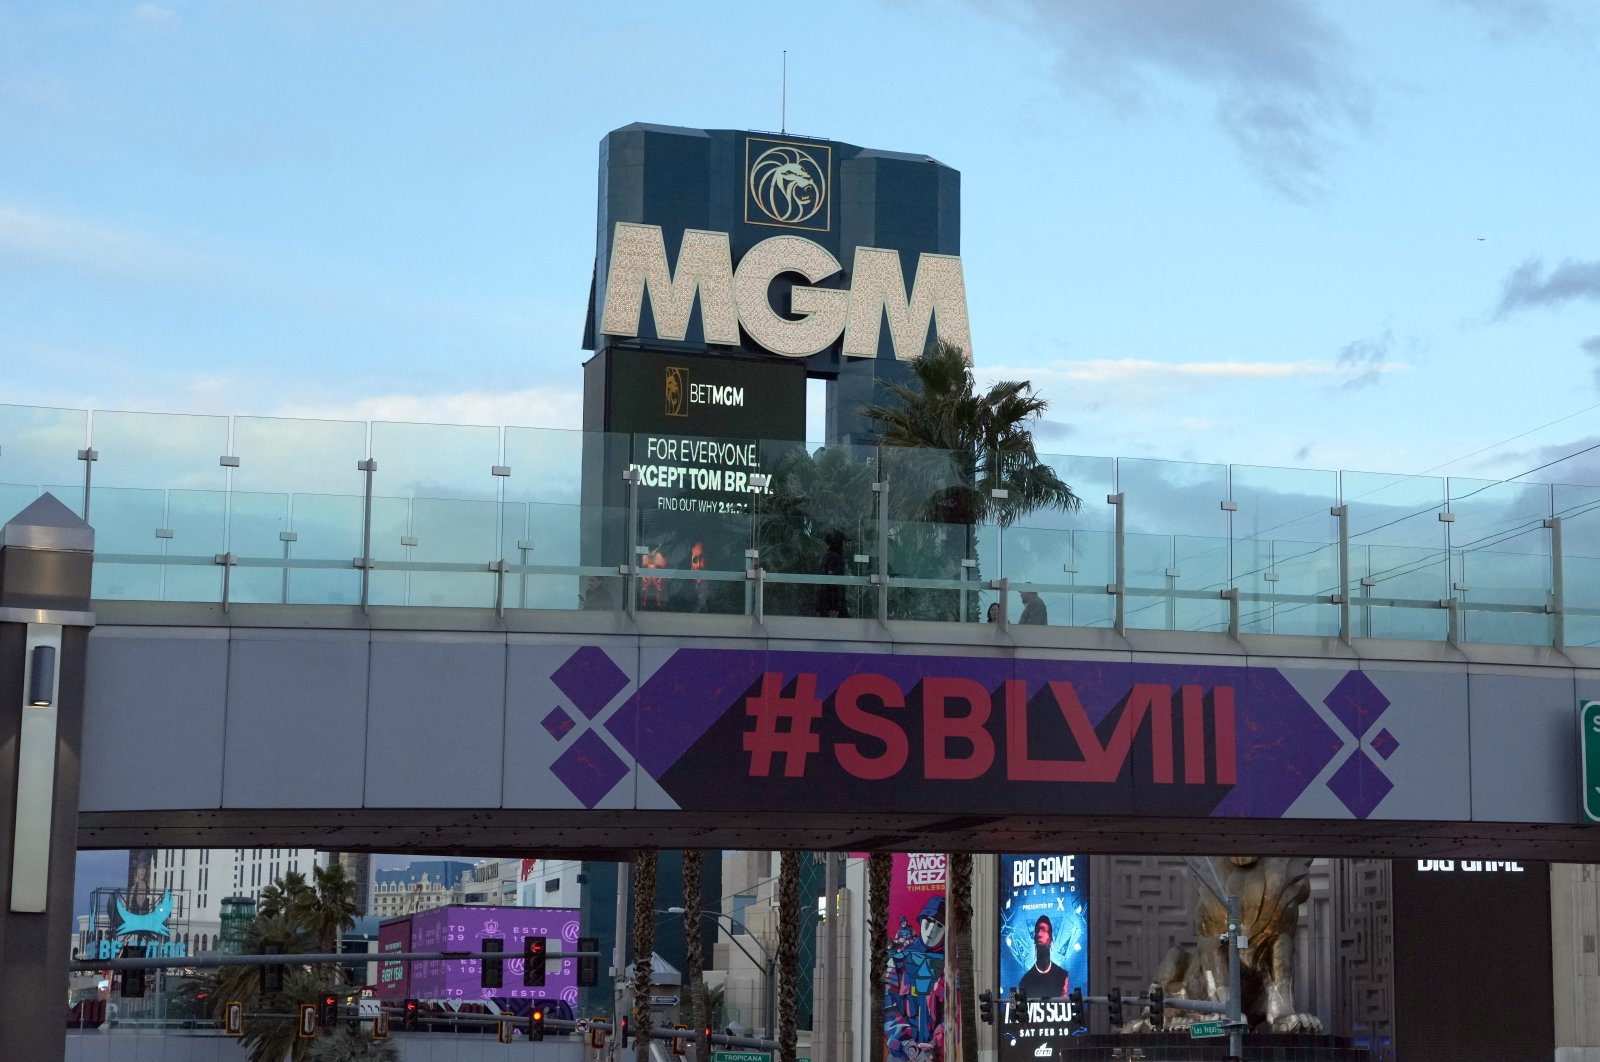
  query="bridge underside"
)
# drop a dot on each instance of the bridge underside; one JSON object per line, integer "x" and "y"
{"x": 603, "y": 834}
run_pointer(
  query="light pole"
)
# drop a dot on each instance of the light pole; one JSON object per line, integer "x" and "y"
{"x": 768, "y": 965}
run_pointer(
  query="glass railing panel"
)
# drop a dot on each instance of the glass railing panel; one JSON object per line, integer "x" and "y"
{"x": 1395, "y": 592}
{"x": 129, "y": 541}
{"x": 39, "y": 446}
{"x": 256, "y": 526}
{"x": 1068, "y": 568}
{"x": 199, "y": 521}
{"x": 1500, "y": 559}
{"x": 1173, "y": 498}
{"x": 279, "y": 455}
{"x": 547, "y": 464}
{"x": 327, "y": 530}
{"x": 461, "y": 537}
{"x": 1175, "y": 582}
{"x": 1285, "y": 549}
{"x": 391, "y": 543}
{"x": 603, "y": 589}
{"x": 1090, "y": 479}
{"x": 436, "y": 460}
{"x": 548, "y": 538}
{"x": 815, "y": 524}
{"x": 169, "y": 450}
{"x": 1399, "y": 567}
{"x": 15, "y": 497}
{"x": 933, "y": 572}
{"x": 1579, "y": 510}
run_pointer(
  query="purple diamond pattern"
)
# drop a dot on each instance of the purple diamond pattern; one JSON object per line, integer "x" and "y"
{"x": 590, "y": 678}
{"x": 1385, "y": 743}
{"x": 589, "y": 768}
{"x": 1356, "y": 702}
{"x": 1360, "y": 784}
{"x": 558, "y": 724}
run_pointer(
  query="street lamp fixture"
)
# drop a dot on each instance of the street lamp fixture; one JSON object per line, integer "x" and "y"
{"x": 767, "y": 964}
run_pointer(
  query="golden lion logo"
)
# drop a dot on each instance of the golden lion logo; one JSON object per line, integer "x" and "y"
{"x": 788, "y": 184}
{"x": 677, "y": 386}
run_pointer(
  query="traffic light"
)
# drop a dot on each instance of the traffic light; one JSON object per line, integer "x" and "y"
{"x": 410, "y": 1019}
{"x": 328, "y": 1014}
{"x": 536, "y": 1022}
{"x": 133, "y": 980}
{"x": 493, "y": 973}
{"x": 272, "y": 973}
{"x": 1114, "y": 1006}
{"x": 622, "y": 1032}
{"x": 986, "y": 1007}
{"x": 702, "y": 1049}
{"x": 589, "y": 965}
{"x": 1076, "y": 1015}
{"x": 1158, "y": 1004}
{"x": 533, "y": 952}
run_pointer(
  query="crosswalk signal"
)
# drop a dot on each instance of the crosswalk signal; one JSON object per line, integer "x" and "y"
{"x": 986, "y": 1007}
{"x": 589, "y": 965}
{"x": 533, "y": 953}
{"x": 493, "y": 973}
{"x": 1158, "y": 1004}
{"x": 1114, "y": 1006}
{"x": 536, "y": 1023}
{"x": 410, "y": 1019}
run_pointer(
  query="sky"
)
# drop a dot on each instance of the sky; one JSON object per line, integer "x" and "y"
{"x": 1273, "y": 232}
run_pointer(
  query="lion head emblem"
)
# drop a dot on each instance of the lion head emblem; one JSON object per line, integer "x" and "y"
{"x": 788, "y": 185}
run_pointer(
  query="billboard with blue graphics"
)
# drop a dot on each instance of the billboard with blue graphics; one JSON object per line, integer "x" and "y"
{"x": 1044, "y": 948}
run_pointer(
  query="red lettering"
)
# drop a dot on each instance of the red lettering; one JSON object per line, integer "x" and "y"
{"x": 1194, "y": 735}
{"x": 847, "y": 703}
{"x": 938, "y": 727}
{"x": 1099, "y": 763}
{"x": 1222, "y": 712}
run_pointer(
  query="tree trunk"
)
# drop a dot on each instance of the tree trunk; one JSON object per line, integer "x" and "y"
{"x": 880, "y": 868}
{"x": 788, "y": 952}
{"x": 961, "y": 945}
{"x": 644, "y": 945}
{"x": 693, "y": 862}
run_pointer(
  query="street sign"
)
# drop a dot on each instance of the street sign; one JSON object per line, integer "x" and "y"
{"x": 739, "y": 1056}
{"x": 663, "y": 1001}
{"x": 1589, "y": 726}
{"x": 1202, "y": 1029}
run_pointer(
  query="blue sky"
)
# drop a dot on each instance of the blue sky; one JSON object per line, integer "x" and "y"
{"x": 1356, "y": 234}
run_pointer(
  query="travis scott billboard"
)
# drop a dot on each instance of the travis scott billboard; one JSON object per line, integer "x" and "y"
{"x": 710, "y": 729}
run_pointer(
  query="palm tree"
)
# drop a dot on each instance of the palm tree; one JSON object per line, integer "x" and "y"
{"x": 327, "y": 906}
{"x": 880, "y": 868}
{"x": 693, "y": 864}
{"x": 284, "y": 895}
{"x": 961, "y": 948}
{"x": 954, "y": 449}
{"x": 818, "y": 513}
{"x": 346, "y": 1045}
{"x": 788, "y": 951}
{"x": 269, "y": 1023}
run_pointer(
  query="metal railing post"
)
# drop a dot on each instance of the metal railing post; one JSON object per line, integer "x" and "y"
{"x": 1119, "y": 542}
{"x": 1557, "y": 606}
{"x": 630, "y": 476}
{"x": 88, "y": 457}
{"x": 1342, "y": 598}
{"x": 367, "y": 468}
{"x": 881, "y": 489}
{"x": 227, "y": 560}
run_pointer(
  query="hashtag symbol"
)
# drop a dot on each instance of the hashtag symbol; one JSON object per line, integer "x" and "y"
{"x": 769, "y": 708}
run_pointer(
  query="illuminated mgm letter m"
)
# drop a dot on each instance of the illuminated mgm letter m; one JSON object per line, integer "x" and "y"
{"x": 730, "y": 298}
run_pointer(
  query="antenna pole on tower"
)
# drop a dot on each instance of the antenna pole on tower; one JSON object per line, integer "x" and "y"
{"x": 783, "y": 109}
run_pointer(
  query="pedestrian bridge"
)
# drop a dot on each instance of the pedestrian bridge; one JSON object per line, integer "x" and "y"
{"x": 415, "y": 637}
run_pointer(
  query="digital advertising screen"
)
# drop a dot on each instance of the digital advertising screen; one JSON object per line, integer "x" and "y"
{"x": 1044, "y": 948}
{"x": 466, "y": 928}
{"x": 394, "y": 976}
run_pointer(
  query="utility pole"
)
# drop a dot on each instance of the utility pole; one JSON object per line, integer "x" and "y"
{"x": 1235, "y": 991}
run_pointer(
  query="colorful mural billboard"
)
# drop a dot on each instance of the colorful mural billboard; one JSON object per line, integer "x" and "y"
{"x": 914, "y": 991}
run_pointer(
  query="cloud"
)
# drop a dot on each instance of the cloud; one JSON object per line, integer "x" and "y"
{"x": 36, "y": 237}
{"x": 1514, "y": 18}
{"x": 1277, "y": 72}
{"x": 1122, "y": 370}
{"x": 1528, "y": 287}
{"x": 538, "y": 407}
{"x": 1591, "y": 347}
{"x": 1366, "y": 360}
{"x": 158, "y": 16}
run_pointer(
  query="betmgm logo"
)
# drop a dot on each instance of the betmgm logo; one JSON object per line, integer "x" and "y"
{"x": 681, "y": 394}
{"x": 787, "y": 184}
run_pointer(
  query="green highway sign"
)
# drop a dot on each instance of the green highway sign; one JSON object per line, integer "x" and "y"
{"x": 738, "y": 1056}
{"x": 1589, "y": 724}
{"x": 1202, "y": 1029}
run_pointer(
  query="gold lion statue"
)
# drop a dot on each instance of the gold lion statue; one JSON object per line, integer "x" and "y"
{"x": 1270, "y": 890}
